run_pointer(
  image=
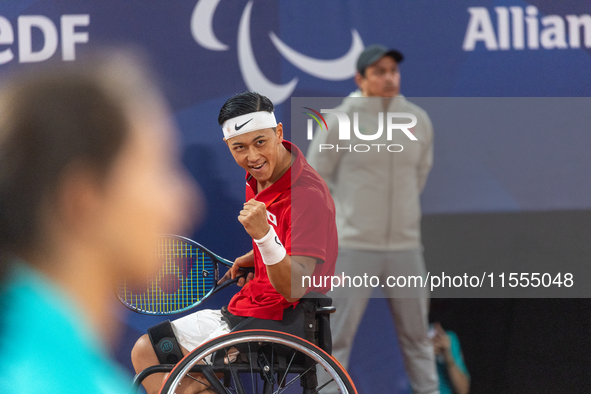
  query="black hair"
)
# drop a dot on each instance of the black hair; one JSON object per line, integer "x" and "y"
{"x": 244, "y": 103}
{"x": 53, "y": 119}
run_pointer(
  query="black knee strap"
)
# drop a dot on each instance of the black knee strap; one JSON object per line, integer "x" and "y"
{"x": 165, "y": 345}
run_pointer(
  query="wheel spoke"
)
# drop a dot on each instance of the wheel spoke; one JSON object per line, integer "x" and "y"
{"x": 213, "y": 379}
{"x": 286, "y": 372}
{"x": 197, "y": 380}
{"x": 323, "y": 386}
{"x": 251, "y": 373}
{"x": 235, "y": 375}
{"x": 271, "y": 373}
{"x": 294, "y": 379}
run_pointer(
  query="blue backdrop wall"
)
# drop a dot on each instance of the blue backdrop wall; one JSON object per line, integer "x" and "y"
{"x": 205, "y": 51}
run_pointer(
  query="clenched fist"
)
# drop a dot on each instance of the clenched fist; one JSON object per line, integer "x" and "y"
{"x": 254, "y": 218}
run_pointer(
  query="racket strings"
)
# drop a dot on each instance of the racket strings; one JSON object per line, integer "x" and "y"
{"x": 186, "y": 276}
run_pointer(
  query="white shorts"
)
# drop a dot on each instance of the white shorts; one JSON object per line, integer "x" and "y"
{"x": 197, "y": 328}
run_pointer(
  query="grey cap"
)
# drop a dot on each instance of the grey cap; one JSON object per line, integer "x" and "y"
{"x": 375, "y": 52}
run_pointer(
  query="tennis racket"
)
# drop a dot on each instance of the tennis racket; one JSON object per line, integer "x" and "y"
{"x": 188, "y": 275}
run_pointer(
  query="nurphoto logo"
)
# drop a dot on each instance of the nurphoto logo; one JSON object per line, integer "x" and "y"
{"x": 391, "y": 119}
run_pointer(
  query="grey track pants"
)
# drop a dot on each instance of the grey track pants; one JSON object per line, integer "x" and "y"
{"x": 409, "y": 308}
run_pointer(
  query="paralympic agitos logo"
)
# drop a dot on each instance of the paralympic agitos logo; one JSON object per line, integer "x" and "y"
{"x": 392, "y": 120}
{"x": 338, "y": 69}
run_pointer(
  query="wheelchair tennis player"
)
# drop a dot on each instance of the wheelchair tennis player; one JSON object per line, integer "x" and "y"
{"x": 290, "y": 216}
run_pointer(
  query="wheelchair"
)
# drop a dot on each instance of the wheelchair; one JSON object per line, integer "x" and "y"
{"x": 266, "y": 357}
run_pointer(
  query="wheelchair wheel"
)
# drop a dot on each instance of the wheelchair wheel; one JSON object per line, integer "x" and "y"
{"x": 258, "y": 362}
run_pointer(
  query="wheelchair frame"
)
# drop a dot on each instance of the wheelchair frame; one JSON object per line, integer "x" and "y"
{"x": 271, "y": 355}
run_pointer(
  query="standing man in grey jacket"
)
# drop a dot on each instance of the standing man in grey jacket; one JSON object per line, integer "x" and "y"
{"x": 378, "y": 213}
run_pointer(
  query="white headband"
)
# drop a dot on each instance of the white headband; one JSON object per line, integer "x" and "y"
{"x": 249, "y": 122}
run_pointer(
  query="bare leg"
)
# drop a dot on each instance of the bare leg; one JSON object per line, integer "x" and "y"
{"x": 142, "y": 357}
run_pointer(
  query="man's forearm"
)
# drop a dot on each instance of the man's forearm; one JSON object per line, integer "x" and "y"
{"x": 286, "y": 276}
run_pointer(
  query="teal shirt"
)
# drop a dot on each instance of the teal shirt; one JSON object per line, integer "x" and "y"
{"x": 46, "y": 345}
{"x": 456, "y": 351}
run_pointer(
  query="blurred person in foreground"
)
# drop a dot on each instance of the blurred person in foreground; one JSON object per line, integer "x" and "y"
{"x": 378, "y": 211}
{"x": 89, "y": 178}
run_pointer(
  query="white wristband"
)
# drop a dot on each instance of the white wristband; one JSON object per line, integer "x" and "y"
{"x": 270, "y": 247}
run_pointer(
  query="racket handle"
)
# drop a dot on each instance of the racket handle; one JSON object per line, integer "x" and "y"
{"x": 236, "y": 279}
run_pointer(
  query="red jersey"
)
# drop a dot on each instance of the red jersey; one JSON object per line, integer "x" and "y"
{"x": 301, "y": 210}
